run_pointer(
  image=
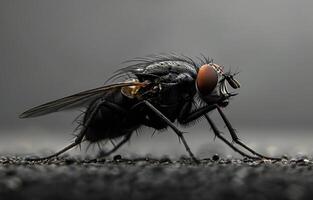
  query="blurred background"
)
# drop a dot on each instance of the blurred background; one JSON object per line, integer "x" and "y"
{"x": 50, "y": 49}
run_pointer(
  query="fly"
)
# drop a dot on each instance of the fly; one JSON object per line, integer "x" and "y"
{"x": 158, "y": 91}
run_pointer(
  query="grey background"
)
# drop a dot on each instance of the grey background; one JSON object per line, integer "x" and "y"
{"x": 49, "y": 49}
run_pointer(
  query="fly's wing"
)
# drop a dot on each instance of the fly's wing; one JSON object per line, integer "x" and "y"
{"x": 75, "y": 100}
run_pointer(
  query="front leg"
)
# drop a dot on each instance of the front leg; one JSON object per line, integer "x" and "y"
{"x": 236, "y": 139}
{"x": 218, "y": 134}
{"x": 185, "y": 116}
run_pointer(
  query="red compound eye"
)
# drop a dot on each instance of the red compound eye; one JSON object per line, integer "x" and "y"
{"x": 206, "y": 80}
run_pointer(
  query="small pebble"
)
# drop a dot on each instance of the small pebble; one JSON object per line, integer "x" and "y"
{"x": 117, "y": 157}
{"x": 30, "y": 158}
{"x": 69, "y": 161}
{"x": 101, "y": 160}
{"x": 215, "y": 157}
{"x": 164, "y": 160}
{"x": 302, "y": 162}
{"x": 285, "y": 157}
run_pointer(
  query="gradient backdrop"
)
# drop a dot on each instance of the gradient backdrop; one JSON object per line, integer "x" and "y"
{"x": 49, "y": 49}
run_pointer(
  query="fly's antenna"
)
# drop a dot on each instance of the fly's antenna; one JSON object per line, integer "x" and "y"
{"x": 233, "y": 73}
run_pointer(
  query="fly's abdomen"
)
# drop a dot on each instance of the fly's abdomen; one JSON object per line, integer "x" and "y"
{"x": 112, "y": 119}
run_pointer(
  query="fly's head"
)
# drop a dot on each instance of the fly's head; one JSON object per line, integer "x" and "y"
{"x": 212, "y": 83}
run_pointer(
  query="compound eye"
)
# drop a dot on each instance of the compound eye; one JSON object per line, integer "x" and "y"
{"x": 207, "y": 79}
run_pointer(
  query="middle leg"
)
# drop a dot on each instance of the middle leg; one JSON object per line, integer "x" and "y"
{"x": 174, "y": 128}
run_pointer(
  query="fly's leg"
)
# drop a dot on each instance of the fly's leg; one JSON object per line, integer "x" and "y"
{"x": 217, "y": 134}
{"x": 115, "y": 148}
{"x": 175, "y": 129}
{"x": 236, "y": 139}
{"x": 55, "y": 154}
{"x": 186, "y": 117}
{"x": 80, "y": 136}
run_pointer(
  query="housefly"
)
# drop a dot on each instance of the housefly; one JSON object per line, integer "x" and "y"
{"x": 157, "y": 91}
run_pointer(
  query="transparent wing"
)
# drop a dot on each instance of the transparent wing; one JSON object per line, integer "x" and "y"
{"x": 75, "y": 100}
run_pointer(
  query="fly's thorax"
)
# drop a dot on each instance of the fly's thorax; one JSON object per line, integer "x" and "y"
{"x": 169, "y": 66}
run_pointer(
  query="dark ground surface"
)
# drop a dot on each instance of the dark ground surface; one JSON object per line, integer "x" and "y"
{"x": 147, "y": 178}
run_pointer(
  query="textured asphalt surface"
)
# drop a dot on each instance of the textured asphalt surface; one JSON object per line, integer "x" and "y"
{"x": 147, "y": 178}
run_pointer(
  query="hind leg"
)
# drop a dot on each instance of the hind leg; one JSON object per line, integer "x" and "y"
{"x": 82, "y": 133}
{"x": 115, "y": 148}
